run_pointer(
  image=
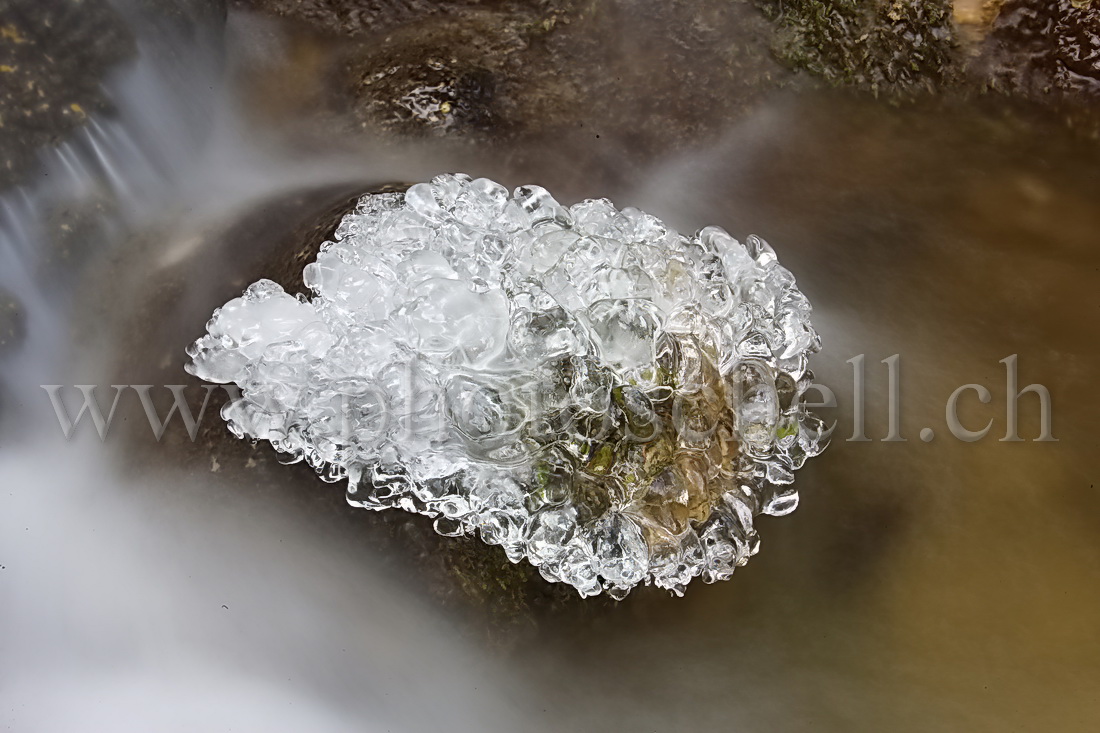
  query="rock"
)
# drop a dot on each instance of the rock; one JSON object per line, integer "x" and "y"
{"x": 885, "y": 46}
{"x": 514, "y": 71}
{"x": 53, "y": 57}
{"x": 1041, "y": 47}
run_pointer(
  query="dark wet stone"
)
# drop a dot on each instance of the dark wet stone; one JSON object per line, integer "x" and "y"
{"x": 458, "y": 72}
{"x": 512, "y": 71}
{"x": 54, "y": 55}
{"x": 1040, "y": 47}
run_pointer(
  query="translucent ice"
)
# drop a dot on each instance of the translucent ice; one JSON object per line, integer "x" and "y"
{"x": 581, "y": 385}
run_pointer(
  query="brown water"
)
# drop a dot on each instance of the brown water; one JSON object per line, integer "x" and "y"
{"x": 920, "y": 586}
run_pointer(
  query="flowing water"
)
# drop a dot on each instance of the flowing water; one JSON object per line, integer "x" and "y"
{"x": 921, "y": 585}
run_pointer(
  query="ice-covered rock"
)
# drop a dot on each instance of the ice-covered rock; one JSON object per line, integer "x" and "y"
{"x": 581, "y": 385}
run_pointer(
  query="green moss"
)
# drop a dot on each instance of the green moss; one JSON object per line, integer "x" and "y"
{"x": 888, "y": 46}
{"x": 787, "y": 431}
{"x": 603, "y": 459}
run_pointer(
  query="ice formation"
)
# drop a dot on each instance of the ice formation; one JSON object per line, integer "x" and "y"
{"x": 580, "y": 385}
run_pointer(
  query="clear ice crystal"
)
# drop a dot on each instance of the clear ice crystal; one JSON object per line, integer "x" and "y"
{"x": 580, "y": 385}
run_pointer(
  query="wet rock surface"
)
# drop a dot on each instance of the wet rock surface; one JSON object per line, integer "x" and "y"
{"x": 535, "y": 71}
{"x": 1040, "y": 47}
{"x": 56, "y": 55}
{"x": 53, "y": 57}
{"x": 506, "y": 68}
{"x": 524, "y": 75}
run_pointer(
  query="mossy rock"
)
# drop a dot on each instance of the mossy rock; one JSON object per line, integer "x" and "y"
{"x": 895, "y": 47}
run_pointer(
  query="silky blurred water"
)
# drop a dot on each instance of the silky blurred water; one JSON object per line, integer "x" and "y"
{"x": 920, "y": 586}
